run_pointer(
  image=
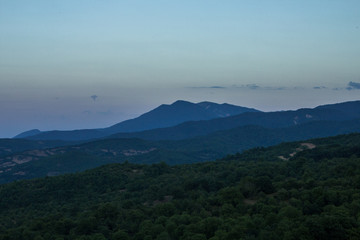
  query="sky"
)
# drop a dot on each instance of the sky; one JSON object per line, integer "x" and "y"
{"x": 75, "y": 64}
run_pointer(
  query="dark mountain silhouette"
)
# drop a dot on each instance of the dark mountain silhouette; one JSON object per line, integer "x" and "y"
{"x": 336, "y": 112}
{"x": 28, "y": 133}
{"x": 353, "y": 106}
{"x": 176, "y": 113}
{"x": 160, "y": 117}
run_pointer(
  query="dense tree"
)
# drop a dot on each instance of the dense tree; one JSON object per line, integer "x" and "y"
{"x": 313, "y": 195}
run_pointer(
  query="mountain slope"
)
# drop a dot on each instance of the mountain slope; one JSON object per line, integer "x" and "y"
{"x": 28, "y": 133}
{"x": 60, "y": 160}
{"x": 160, "y": 117}
{"x": 176, "y": 113}
{"x": 337, "y": 112}
{"x": 314, "y": 194}
{"x": 12, "y": 146}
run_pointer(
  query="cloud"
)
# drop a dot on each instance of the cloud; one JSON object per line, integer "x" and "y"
{"x": 319, "y": 87}
{"x": 353, "y": 86}
{"x": 209, "y": 87}
{"x": 252, "y": 86}
{"x": 94, "y": 97}
{"x": 217, "y": 87}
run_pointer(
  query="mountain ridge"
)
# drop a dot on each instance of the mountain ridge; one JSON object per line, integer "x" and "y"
{"x": 278, "y": 119}
{"x": 28, "y": 133}
{"x": 163, "y": 116}
{"x": 339, "y": 112}
{"x": 60, "y": 160}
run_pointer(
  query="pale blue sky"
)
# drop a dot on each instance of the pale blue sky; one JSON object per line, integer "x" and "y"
{"x": 135, "y": 55}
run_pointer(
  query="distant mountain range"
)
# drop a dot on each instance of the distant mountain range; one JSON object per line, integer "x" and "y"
{"x": 282, "y": 119}
{"x": 187, "y": 142}
{"x": 160, "y": 117}
{"x": 28, "y": 133}
{"x": 182, "y": 120}
{"x": 59, "y": 160}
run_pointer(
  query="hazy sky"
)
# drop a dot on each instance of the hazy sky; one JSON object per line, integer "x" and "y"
{"x": 135, "y": 55}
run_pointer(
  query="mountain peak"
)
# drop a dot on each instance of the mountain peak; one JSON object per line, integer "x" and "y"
{"x": 225, "y": 109}
{"x": 166, "y": 115}
{"x": 181, "y": 102}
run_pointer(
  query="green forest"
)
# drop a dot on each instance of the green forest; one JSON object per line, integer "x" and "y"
{"x": 299, "y": 190}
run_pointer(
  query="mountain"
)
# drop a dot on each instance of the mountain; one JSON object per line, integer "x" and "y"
{"x": 28, "y": 133}
{"x": 335, "y": 112}
{"x": 160, "y": 117}
{"x": 352, "y": 106}
{"x": 176, "y": 113}
{"x": 12, "y": 146}
{"x": 298, "y": 190}
{"x": 220, "y": 143}
{"x": 190, "y": 142}
{"x": 170, "y": 114}
{"x": 60, "y": 160}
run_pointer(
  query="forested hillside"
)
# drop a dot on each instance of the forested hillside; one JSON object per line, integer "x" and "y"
{"x": 11, "y": 146}
{"x": 67, "y": 159}
{"x": 299, "y": 190}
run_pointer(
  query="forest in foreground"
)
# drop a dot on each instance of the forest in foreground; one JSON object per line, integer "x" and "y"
{"x": 299, "y": 190}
